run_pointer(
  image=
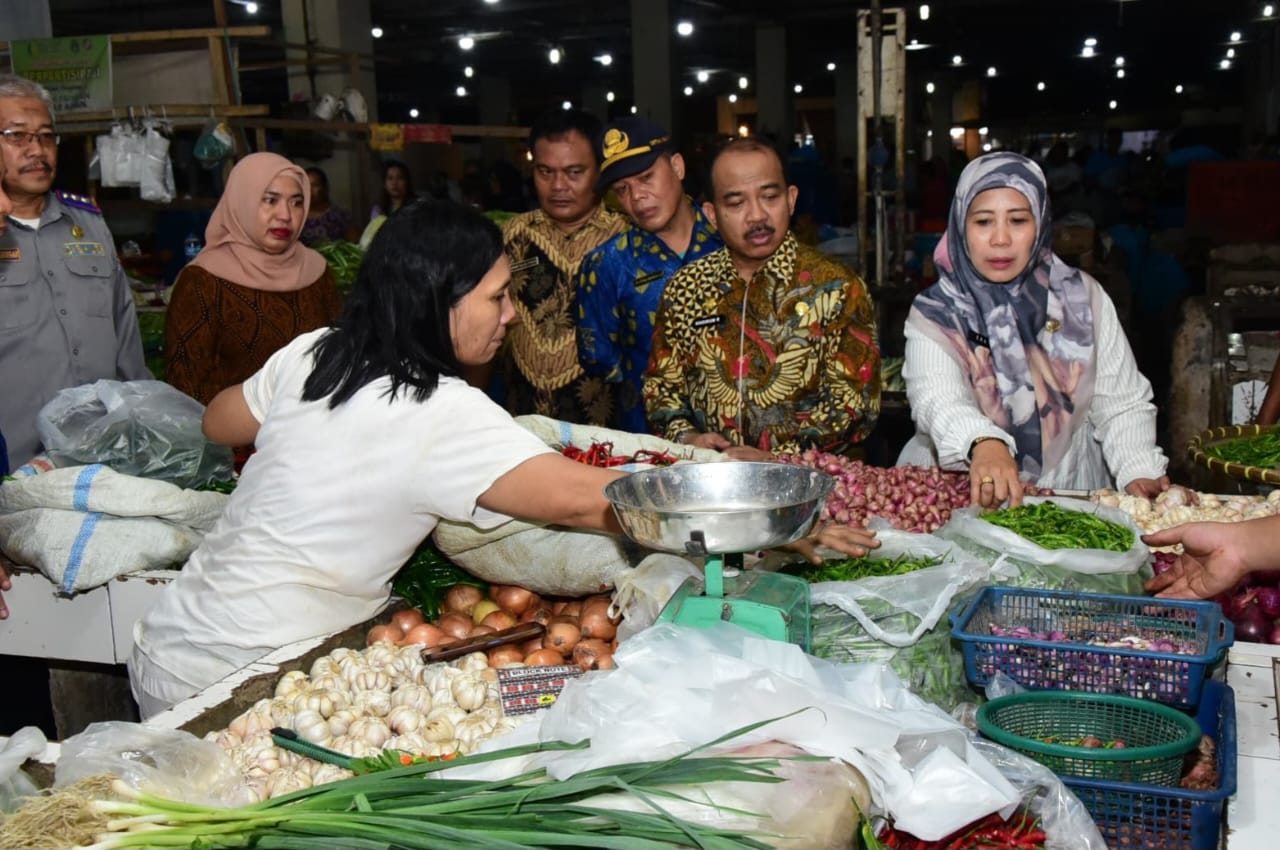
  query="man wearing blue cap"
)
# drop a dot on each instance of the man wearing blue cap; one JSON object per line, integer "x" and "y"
{"x": 621, "y": 282}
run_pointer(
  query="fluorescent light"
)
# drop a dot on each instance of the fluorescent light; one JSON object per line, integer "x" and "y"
{"x": 608, "y": 96}
{"x": 553, "y": 56}
{"x": 1268, "y": 10}
{"x": 703, "y": 76}
{"x": 633, "y": 110}
{"x": 929, "y": 88}
{"x": 466, "y": 42}
{"x": 468, "y": 72}
{"x": 924, "y": 11}
{"x": 1231, "y": 53}
{"x": 376, "y": 32}
{"x": 605, "y": 59}
{"x": 684, "y": 28}
{"x": 413, "y": 113}
{"x": 1090, "y": 42}
{"x": 743, "y": 82}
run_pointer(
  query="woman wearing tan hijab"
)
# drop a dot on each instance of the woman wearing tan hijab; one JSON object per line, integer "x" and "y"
{"x": 253, "y": 288}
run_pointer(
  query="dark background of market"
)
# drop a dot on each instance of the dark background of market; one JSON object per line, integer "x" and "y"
{"x": 1181, "y": 89}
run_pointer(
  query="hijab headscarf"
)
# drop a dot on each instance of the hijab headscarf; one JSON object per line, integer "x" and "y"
{"x": 1026, "y": 345}
{"x": 233, "y": 250}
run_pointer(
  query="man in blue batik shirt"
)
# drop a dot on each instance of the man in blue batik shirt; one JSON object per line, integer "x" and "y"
{"x": 620, "y": 283}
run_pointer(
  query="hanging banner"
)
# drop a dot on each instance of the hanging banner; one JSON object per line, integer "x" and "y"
{"x": 75, "y": 69}
{"x": 428, "y": 134}
{"x": 386, "y": 137}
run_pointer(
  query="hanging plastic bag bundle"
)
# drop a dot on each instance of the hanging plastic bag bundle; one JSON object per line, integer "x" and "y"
{"x": 156, "y": 174}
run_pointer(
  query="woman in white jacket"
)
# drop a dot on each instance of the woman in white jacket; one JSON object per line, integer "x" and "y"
{"x": 1016, "y": 365}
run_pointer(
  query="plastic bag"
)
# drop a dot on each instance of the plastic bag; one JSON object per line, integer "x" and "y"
{"x": 156, "y": 174}
{"x": 27, "y": 743}
{"x": 168, "y": 763}
{"x": 143, "y": 428}
{"x": 639, "y": 595}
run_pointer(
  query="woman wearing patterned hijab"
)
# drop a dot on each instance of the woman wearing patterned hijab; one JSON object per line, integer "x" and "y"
{"x": 1016, "y": 365}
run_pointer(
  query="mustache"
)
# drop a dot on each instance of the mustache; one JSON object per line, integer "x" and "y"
{"x": 760, "y": 228}
{"x": 31, "y": 166}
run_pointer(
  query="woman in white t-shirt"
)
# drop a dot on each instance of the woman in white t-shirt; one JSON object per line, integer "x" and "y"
{"x": 366, "y": 437}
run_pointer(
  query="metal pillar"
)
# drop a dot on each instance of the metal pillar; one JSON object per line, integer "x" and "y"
{"x": 652, "y": 76}
{"x": 882, "y": 109}
{"x": 773, "y": 117}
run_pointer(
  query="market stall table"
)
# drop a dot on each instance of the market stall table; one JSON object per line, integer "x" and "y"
{"x": 1253, "y": 670}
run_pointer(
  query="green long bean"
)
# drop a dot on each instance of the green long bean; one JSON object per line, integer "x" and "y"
{"x": 1052, "y": 527}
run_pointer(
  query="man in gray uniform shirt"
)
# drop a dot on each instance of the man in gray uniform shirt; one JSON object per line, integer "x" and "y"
{"x": 66, "y": 311}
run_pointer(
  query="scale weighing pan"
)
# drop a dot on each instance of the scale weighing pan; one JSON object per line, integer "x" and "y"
{"x": 709, "y": 510}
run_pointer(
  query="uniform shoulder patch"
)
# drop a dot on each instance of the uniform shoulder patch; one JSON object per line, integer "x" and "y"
{"x": 80, "y": 202}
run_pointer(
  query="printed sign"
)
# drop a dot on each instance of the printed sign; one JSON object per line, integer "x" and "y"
{"x": 428, "y": 134}
{"x": 386, "y": 137}
{"x": 75, "y": 69}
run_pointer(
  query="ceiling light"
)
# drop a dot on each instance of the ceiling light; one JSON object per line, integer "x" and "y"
{"x": 744, "y": 130}
{"x": 743, "y": 82}
{"x": 251, "y": 8}
{"x": 703, "y": 76}
{"x": 376, "y": 32}
{"x": 688, "y": 90}
{"x": 553, "y": 56}
{"x": 568, "y": 104}
{"x": 957, "y": 132}
{"x": 528, "y": 155}
{"x": 991, "y": 71}
{"x": 413, "y": 113}
{"x": 605, "y": 59}
{"x": 1177, "y": 89}
{"x": 466, "y": 42}
{"x": 1268, "y": 10}
{"x": 1087, "y": 52}
{"x": 928, "y": 134}
{"x": 1040, "y": 86}
{"x": 957, "y": 59}
{"x": 1231, "y": 53}
{"x": 929, "y": 88}
{"x": 982, "y": 131}
{"x": 1235, "y": 36}
{"x": 684, "y": 28}
{"x": 608, "y": 96}
{"x": 915, "y": 45}
{"x": 460, "y": 91}
{"x": 468, "y": 72}
{"x": 924, "y": 11}
{"x": 1225, "y": 64}
{"x": 1091, "y": 42}
{"x": 1119, "y": 73}
{"x": 1112, "y": 105}
{"x": 831, "y": 66}
{"x": 633, "y": 110}
{"x": 798, "y": 88}
{"x": 491, "y": 2}
{"x": 733, "y": 98}
{"x": 1119, "y": 61}
{"x": 986, "y": 147}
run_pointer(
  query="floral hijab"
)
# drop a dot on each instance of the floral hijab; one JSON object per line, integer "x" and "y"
{"x": 1027, "y": 345}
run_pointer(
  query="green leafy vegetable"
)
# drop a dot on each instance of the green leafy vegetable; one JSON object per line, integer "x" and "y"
{"x": 1262, "y": 450}
{"x": 426, "y": 577}
{"x": 220, "y": 485}
{"x": 344, "y": 259}
{"x": 1053, "y": 527}
{"x": 852, "y": 569}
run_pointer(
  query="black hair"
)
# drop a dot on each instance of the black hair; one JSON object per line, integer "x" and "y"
{"x": 740, "y": 144}
{"x": 321, "y": 176}
{"x": 408, "y": 183}
{"x": 555, "y": 124}
{"x": 424, "y": 259}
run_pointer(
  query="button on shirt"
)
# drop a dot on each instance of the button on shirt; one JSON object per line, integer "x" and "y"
{"x": 66, "y": 317}
{"x": 619, "y": 287}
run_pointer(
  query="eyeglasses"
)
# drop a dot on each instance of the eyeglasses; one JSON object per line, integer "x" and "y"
{"x": 22, "y": 138}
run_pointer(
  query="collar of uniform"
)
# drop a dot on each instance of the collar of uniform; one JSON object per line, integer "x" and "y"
{"x": 599, "y": 221}
{"x": 700, "y": 223}
{"x": 780, "y": 265}
{"x": 54, "y": 209}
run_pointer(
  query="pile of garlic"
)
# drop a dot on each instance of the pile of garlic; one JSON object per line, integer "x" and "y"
{"x": 360, "y": 703}
{"x": 1179, "y": 505}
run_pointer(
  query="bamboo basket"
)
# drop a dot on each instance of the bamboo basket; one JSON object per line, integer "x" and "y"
{"x": 1243, "y": 472}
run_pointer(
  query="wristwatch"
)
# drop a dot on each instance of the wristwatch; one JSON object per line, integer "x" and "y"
{"x": 977, "y": 440}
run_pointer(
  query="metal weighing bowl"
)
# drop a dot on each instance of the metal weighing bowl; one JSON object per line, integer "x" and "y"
{"x": 728, "y": 506}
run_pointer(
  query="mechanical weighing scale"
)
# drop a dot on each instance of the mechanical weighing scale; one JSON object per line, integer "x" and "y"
{"x": 717, "y": 511}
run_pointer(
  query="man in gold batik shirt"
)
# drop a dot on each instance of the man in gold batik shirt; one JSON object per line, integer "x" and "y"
{"x": 537, "y": 370}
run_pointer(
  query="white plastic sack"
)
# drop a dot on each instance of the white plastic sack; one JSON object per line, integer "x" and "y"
{"x": 145, "y": 428}
{"x": 156, "y": 171}
{"x": 27, "y": 743}
{"x": 551, "y": 560}
{"x": 966, "y": 525}
{"x": 83, "y": 526}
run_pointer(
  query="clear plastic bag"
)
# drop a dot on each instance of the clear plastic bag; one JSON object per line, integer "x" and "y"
{"x": 168, "y": 763}
{"x": 27, "y": 743}
{"x": 143, "y": 428}
{"x": 640, "y": 594}
{"x": 156, "y": 174}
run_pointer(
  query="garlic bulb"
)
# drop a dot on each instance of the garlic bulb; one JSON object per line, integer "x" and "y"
{"x": 323, "y": 666}
{"x": 312, "y": 726}
{"x": 247, "y": 793}
{"x": 380, "y": 655}
{"x": 449, "y": 711}
{"x": 341, "y": 654}
{"x": 408, "y": 662}
{"x": 442, "y": 748}
{"x": 227, "y": 739}
{"x": 416, "y": 697}
{"x": 290, "y": 682}
{"x": 340, "y": 721}
{"x": 327, "y": 773}
{"x": 281, "y": 712}
{"x": 345, "y": 744}
{"x": 403, "y": 719}
{"x": 410, "y": 742}
{"x": 473, "y": 729}
{"x": 329, "y": 682}
{"x": 319, "y": 701}
{"x": 469, "y": 690}
{"x": 490, "y": 713}
{"x": 437, "y": 729}
{"x": 371, "y": 703}
{"x": 253, "y": 720}
{"x": 370, "y": 680}
{"x": 372, "y": 730}
{"x": 437, "y": 677}
{"x": 287, "y": 781}
{"x": 473, "y": 662}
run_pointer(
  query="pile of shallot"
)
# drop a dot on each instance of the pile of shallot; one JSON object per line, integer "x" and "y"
{"x": 910, "y": 498}
{"x": 578, "y": 631}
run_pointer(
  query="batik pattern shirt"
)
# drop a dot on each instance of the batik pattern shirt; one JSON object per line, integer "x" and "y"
{"x": 619, "y": 287}
{"x": 784, "y": 362}
{"x": 538, "y": 369}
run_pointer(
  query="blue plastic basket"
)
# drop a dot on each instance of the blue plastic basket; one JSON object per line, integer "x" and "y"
{"x": 1136, "y": 815}
{"x": 1077, "y": 665}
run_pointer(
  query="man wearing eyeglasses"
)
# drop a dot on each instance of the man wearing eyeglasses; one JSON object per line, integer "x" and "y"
{"x": 66, "y": 311}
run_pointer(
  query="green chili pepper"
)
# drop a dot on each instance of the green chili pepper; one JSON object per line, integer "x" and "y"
{"x": 1262, "y": 450}
{"x": 1053, "y": 527}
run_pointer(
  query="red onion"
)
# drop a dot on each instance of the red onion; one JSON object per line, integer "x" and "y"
{"x": 1269, "y": 601}
{"x": 1253, "y": 627}
{"x": 1275, "y": 634}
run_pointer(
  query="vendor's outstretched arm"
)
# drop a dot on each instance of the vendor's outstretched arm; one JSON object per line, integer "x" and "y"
{"x": 228, "y": 420}
{"x": 551, "y": 488}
